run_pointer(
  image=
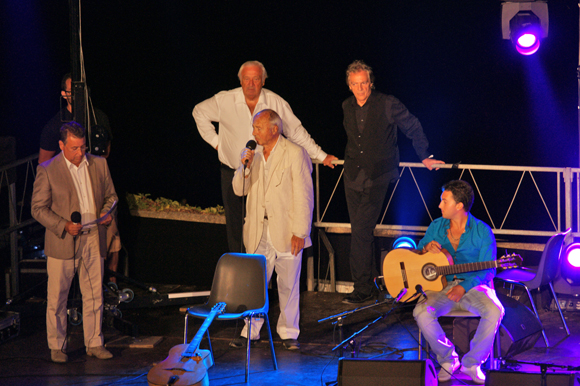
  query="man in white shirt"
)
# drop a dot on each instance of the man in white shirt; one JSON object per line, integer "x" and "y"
{"x": 234, "y": 110}
{"x": 74, "y": 182}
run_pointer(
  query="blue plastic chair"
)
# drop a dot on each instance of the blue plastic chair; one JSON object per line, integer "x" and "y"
{"x": 240, "y": 282}
{"x": 532, "y": 279}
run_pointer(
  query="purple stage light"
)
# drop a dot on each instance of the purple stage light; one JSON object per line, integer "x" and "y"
{"x": 525, "y": 23}
{"x": 526, "y": 33}
{"x": 527, "y": 40}
{"x": 573, "y": 255}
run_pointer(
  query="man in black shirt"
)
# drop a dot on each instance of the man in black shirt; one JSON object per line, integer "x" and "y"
{"x": 49, "y": 147}
{"x": 51, "y": 131}
{"x": 371, "y": 163}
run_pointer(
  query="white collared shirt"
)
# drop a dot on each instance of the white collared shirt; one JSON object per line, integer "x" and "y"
{"x": 229, "y": 108}
{"x": 83, "y": 187}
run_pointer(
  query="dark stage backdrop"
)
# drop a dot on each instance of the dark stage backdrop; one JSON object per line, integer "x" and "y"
{"x": 149, "y": 62}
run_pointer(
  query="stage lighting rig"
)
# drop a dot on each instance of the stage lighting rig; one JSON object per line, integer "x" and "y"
{"x": 525, "y": 23}
{"x": 570, "y": 265}
{"x": 404, "y": 242}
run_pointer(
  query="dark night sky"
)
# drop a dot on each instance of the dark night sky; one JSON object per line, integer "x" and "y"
{"x": 149, "y": 62}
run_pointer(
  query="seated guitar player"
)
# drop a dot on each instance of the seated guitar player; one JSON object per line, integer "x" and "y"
{"x": 467, "y": 240}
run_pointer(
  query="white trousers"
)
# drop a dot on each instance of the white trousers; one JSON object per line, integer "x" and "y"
{"x": 90, "y": 267}
{"x": 287, "y": 268}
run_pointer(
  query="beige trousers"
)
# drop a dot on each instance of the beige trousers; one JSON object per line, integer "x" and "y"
{"x": 90, "y": 267}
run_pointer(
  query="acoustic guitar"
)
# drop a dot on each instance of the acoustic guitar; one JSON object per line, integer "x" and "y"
{"x": 186, "y": 365}
{"x": 404, "y": 268}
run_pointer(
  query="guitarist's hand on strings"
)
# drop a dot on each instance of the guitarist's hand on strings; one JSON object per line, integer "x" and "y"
{"x": 456, "y": 293}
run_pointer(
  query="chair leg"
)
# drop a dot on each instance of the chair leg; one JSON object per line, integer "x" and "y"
{"x": 275, "y": 363}
{"x": 420, "y": 345}
{"x": 209, "y": 343}
{"x": 185, "y": 328}
{"x": 559, "y": 309}
{"x": 248, "y": 344}
{"x": 495, "y": 356}
{"x": 537, "y": 315}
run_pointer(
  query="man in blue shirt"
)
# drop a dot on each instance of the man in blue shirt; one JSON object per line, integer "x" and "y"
{"x": 467, "y": 240}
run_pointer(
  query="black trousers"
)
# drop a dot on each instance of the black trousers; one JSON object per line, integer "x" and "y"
{"x": 233, "y": 208}
{"x": 364, "y": 198}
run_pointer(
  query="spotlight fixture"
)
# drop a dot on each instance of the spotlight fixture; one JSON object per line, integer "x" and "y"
{"x": 525, "y": 23}
{"x": 404, "y": 242}
{"x": 570, "y": 265}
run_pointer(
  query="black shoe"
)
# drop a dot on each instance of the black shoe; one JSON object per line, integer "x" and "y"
{"x": 241, "y": 342}
{"x": 356, "y": 297}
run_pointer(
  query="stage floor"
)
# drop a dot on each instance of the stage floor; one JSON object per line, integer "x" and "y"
{"x": 25, "y": 359}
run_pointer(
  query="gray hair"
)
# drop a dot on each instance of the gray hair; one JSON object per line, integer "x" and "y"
{"x": 273, "y": 118}
{"x": 359, "y": 65}
{"x": 253, "y": 63}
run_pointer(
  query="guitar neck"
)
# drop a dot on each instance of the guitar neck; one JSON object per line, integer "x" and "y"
{"x": 467, "y": 267}
{"x": 190, "y": 351}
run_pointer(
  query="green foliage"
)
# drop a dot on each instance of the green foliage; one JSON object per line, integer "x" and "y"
{"x": 142, "y": 201}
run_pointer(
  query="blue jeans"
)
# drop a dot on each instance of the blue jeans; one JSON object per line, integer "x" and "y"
{"x": 481, "y": 301}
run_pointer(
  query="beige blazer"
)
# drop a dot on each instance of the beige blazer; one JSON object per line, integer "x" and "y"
{"x": 288, "y": 198}
{"x": 54, "y": 199}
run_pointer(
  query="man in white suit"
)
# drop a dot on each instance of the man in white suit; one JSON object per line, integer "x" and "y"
{"x": 277, "y": 180}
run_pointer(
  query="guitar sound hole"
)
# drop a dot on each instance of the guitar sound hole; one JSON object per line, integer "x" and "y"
{"x": 429, "y": 272}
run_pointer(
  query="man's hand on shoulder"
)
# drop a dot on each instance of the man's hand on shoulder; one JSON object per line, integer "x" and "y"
{"x": 429, "y": 162}
{"x": 328, "y": 161}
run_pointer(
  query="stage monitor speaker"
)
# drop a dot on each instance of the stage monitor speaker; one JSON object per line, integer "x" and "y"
{"x": 381, "y": 372}
{"x": 512, "y": 378}
{"x": 519, "y": 330}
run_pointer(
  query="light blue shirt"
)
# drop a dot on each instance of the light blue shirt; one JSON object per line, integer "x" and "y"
{"x": 476, "y": 244}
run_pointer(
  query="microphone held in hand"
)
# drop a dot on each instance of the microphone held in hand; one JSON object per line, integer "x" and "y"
{"x": 252, "y": 146}
{"x": 75, "y": 217}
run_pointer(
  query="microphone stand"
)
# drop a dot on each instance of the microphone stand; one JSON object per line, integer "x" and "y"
{"x": 243, "y": 205}
{"x": 350, "y": 340}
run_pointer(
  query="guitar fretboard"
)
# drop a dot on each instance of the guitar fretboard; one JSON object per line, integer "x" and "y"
{"x": 467, "y": 267}
{"x": 190, "y": 351}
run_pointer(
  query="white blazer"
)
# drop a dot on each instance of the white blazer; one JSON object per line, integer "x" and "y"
{"x": 288, "y": 199}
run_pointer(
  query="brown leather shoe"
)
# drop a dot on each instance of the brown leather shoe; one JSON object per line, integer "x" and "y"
{"x": 100, "y": 352}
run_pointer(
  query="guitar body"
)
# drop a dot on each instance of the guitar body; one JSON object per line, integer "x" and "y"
{"x": 192, "y": 371}
{"x": 403, "y": 268}
{"x": 186, "y": 364}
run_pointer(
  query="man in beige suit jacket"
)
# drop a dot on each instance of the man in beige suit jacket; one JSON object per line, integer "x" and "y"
{"x": 71, "y": 182}
{"x": 277, "y": 180}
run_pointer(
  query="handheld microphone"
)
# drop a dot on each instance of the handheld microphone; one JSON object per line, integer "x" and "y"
{"x": 75, "y": 217}
{"x": 252, "y": 146}
{"x": 400, "y": 295}
{"x": 419, "y": 289}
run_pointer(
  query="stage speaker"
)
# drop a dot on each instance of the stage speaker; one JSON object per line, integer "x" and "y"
{"x": 381, "y": 372}
{"x": 511, "y": 378}
{"x": 519, "y": 330}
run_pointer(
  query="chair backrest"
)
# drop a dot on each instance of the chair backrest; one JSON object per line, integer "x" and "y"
{"x": 240, "y": 282}
{"x": 550, "y": 261}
